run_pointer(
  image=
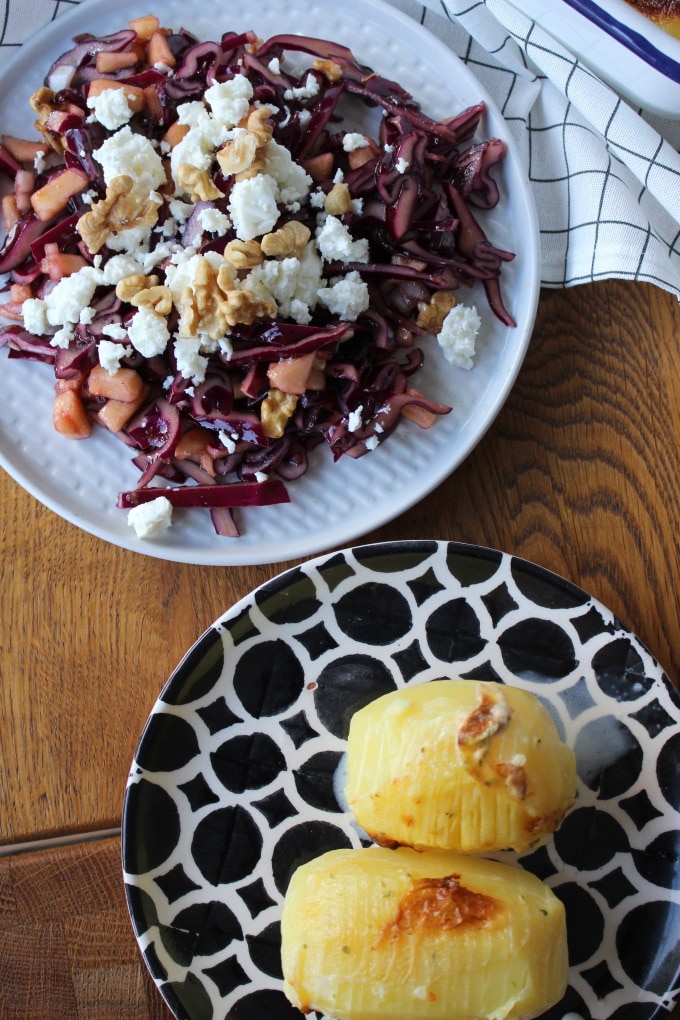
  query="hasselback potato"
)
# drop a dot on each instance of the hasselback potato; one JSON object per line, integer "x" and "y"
{"x": 378, "y": 934}
{"x": 460, "y": 765}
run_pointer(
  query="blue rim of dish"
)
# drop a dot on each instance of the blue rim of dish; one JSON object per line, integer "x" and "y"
{"x": 635, "y": 42}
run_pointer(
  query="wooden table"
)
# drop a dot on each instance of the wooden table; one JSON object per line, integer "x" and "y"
{"x": 580, "y": 473}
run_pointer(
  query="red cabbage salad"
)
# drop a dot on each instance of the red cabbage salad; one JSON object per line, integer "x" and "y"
{"x": 223, "y": 273}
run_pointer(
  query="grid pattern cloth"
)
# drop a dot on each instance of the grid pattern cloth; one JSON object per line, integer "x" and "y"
{"x": 605, "y": 177}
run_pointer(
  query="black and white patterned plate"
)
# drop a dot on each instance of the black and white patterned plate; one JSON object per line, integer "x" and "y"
{"x": 238, "y": 775}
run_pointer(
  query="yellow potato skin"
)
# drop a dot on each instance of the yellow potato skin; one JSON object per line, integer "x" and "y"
{"x": 375, "y": 934}
{"x": 459, "y": 765}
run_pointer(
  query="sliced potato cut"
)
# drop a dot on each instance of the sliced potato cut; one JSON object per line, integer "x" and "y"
{"x": 459, "y": 765}
{"x": 376, "y": 934}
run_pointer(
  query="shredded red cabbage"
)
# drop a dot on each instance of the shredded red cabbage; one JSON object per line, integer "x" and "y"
{"x": 202, "y": 442}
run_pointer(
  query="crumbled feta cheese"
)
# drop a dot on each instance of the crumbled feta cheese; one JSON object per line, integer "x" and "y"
{"x": 118, "y": 267}
{"x": 159, "y": 254}
{"x": 275, "y": 279}
{"x": 214, "y": 221}
{"x": 110, "y": 355}
{"x": 354, "y": 422}
{"x": 309, "y": 277}
{"x": 371, "y": 442}
{"x": 208, "y": 344}
{"x": 170, "y": 227}
{"x": 253, "y": 207}
{"x": 115, "y": 331}
{"x": 338, "y": 177}
{"x": 292, "y": 283}
{"x": 306, "y": 91}
{"x": 274, "y": 65}
{"x": 34, "y": 311}
{"x": 229, "y": 100}
{"x": 317, "y": 199}
{"x": 160, "y": 65}
{"x": 208, "y": 132}
{"x": 180, "y": 210}
{"x": 127, "y": 153}
{"x": 151, "y": 518}
{"x": 111, "y": 108}
{"x": 87, "y": 315}
{"x": 190, "y": 363}
{"x": 227, "y": 441}
{"x": 134, "y": 239}
{"x": 226, "y": 348}
{"x": 71, "y": 294}
{"x": 458, "y": 334}
{"x": 148, "y": 332}
{"x": 293, "y": 180}
{"x": 345, "y": 296}
{"x": 39, "y": 162}
{"x": 193, "y": 114}
{"x": 401, "y": 166}
{"x": 335, "y": 242}
{"x": 300, "y": 312}
{"x": 62, "y": 338}
{"x": 261, "y": 476}
{"x": 354, "y": 140}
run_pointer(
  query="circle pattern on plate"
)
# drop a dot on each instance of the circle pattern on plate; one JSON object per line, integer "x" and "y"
{"x": 238, "y": 776}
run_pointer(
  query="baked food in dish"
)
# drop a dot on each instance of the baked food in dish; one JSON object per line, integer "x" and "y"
{"x": 666, "y": 13}
{"x": 377, "y": 934}
{"x": 458, "y": 764}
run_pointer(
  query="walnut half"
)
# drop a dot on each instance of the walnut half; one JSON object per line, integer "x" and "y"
{"x": 118, "y": 210}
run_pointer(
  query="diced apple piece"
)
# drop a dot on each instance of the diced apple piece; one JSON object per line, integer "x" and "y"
{"x": 158, "y": 51}
{"x": 319, "y": 168}
{"x": 10, "y": 213}
{"x": 152, "y": 102}
{"x": 125, "y": 385}
{"x": 115, "y": 414}
{"x": 420, "y": 416}
{"x": 60, "y": 121}
{"x": 12, "y": 310}
{"x": 22, "y": 149}
{"x": 53, "y": 196}
{"x": 145, "y": 26}
{"x": 108, "y": 62}
{"x": 20, "y": 292}
{"x": 194, "y": 443}
{"x": 291, "y": 374}
{"x": 358, "y": 157}
{"x": 134, "y": 95}
{"x": 70, "y": 417}
{"x": 24, "y": 182}
{"x": 57, "y": 264}
{"x": 175, "y": 133}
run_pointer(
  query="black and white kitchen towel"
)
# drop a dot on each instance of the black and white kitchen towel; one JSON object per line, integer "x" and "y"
{"x": 606, "y": 177}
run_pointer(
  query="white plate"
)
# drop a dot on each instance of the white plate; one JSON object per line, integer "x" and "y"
{"x": 238, "y": 776}
{"x": 333, "y": 503}
{"x": 627, "y": 50}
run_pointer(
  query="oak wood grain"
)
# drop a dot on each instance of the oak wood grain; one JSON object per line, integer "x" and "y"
{"x": 67, "y": 948}
{"x": 580, "y": 473}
